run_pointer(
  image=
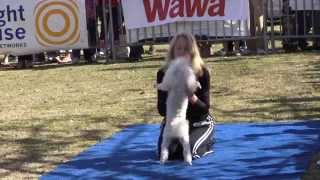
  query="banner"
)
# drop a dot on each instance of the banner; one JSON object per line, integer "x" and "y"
{"x": 276, "y": 10}
{"x": 31, "y": 26}
{"x": 208, "y": 29}
{"x": 305, "y": 4}
{"x": 146, "y": 13}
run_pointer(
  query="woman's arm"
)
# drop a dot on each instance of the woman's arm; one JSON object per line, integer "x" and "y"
{"x": 162, "y": 95}
{"x": 201, "y": 103}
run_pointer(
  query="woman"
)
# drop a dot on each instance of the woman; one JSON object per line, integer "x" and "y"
{"x": 89, "y": 53}
{"x": 201, "y": 123}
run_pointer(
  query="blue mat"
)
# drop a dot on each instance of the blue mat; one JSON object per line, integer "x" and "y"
{"x": 242, "y": 151}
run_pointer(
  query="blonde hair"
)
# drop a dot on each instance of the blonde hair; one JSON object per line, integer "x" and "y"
{"x": 196, "y": 60}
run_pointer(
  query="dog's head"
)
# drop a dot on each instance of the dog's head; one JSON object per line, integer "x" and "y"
{"x": 179, "y": 76}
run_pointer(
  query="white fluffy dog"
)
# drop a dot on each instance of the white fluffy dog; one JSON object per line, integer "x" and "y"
{"x": 180, "y": 82}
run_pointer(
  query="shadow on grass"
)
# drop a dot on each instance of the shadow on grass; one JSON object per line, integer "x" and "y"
{"x": 136, "y": 67}
{"x": 276, "y": 108}
{"x": 312, "y": 74}
{"x": 230, "y": 59}
{"x": 153, "y": 58}
{"x": 57, "y": 66}
{"x": 50, "y": 65}
{"x": 47, "y": 66}
{"x": 32, "y": 149}
{"x": 39, "y": 144}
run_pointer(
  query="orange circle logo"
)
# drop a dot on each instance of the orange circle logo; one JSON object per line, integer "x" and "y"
{"x": 57, "y": 22}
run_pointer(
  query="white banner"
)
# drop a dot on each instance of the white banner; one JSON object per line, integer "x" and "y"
{"x": 277, "y": 8}
{"x": 209, "y": 29}
{"x": 146, "y": 13}
{"x": 305, "y": 4}
{"x": 31, "y": 26}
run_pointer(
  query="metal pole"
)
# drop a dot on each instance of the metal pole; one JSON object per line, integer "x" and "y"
{"x": 304, "y": 18}
{"x": 296, "y": 16}
{"x": 112, "y": 31}
{"x": 265, "y": 38}
{"x": 97, "y": 41}
{"x": 105, "y": 30}
{"x": 272, "y": 27}
{"x": 280, "y": 10}
{"x": 312, "y": 17}
{"x": 287, "y": 20}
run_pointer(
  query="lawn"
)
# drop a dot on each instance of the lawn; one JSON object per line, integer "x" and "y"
{"x": 50, "y": 113}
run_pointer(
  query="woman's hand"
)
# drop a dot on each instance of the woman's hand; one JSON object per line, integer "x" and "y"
{"x": 193, "y": 99}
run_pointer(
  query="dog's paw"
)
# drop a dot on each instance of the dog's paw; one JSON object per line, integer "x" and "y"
{"x": 162, "y": 162}
{"x": 189, "y": 163}
{"x": 164, "y": 156}
{"x": 188, "y": 160}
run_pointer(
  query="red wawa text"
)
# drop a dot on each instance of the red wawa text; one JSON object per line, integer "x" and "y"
{"x": 183, "y": 8}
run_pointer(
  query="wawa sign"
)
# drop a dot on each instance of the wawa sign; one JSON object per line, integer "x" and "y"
{"x": 144, "y": 13}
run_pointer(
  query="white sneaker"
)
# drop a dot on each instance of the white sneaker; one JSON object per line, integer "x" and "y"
{"x": 237, "y": 53}
{"x": 101, "y": 53}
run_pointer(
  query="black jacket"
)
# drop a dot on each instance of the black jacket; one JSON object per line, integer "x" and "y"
{"x": 195, "y": 111}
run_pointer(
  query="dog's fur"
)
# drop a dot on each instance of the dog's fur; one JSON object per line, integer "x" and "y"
{"x": 180, "y": 82}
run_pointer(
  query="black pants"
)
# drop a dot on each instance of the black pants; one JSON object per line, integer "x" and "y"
{"x": 116, "y": 27}
{"x": 316, "y": 29}
{"x": 201, "y": 140}
{"x": 90, "y": 52}
{"x": 25, "y": 61}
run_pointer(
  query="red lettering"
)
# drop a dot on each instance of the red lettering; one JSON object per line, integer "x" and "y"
{"x": 156, "y": 9}
{"x": 174, "y": 8}
{"x": 178, "y": 9}
{"x": 217, "y": 8}
{"x": 197, "y": 5}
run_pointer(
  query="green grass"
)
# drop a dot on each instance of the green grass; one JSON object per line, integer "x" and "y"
{"x": 49, "y": 114}
{"x": 275, "y": 87}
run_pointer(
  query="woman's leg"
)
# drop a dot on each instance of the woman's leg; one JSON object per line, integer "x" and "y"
{"x": 160, "y": 139}
{"x": 201, "y": 141}
{"x": 201, "y": 138}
